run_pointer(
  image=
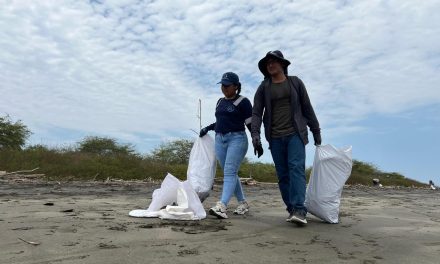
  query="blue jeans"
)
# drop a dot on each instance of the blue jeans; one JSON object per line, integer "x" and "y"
{"x": 230, "y": 149}
{"x": 289, "y": 156}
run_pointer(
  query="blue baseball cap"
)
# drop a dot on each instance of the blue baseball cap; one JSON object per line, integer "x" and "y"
{"x": 229, "y": 78}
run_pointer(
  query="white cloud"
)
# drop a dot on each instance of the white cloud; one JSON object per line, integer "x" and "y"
{"x": 130, "y": 67}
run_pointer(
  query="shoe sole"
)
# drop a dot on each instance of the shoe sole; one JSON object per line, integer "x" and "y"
{"x": 242, "y": 213}
{"x": 298, "y": 221}
{"x": 218, "y": 215}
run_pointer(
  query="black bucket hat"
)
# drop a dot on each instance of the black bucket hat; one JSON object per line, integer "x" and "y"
{"x": 276, "y": 54}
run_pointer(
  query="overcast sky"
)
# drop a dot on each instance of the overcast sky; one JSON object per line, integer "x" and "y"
{"x": 135, "y": 70}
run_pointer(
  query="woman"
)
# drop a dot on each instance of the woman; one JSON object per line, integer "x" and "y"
{"x": 232, "y": 113}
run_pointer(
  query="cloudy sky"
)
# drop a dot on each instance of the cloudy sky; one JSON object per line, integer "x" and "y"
{"x": 134, "y": 70}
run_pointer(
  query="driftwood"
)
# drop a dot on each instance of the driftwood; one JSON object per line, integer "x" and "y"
{"x": 20, "y": 176}
{"x": 247, "y": 181}
{"x": 19, "y": 172}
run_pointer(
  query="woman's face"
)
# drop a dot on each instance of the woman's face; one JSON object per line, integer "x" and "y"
{"x": 229, "y": 90}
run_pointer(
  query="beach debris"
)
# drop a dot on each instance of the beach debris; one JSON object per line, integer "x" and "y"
{"x": 376, "y": 183}
{"x": 23, "y": 228}
{"x": 107, "y": 246}
{"x": 20, "y": 175}
{"x": 49, "y": 204}
{"x": 431, "y": 185}
{"x": 19, "y": 172}
{"x": 248, "y": 181}
{"x": 30, "y": 242}
{"x": 96, "y": 175}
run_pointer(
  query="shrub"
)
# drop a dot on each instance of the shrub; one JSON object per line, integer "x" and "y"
{"x": 13, "y": 135}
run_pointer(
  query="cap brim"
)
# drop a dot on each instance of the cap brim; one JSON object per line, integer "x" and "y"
{"x": 225, "y": 82}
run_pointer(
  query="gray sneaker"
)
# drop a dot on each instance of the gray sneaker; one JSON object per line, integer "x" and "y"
{"x": 219, "y": 210}
{"x": 242, "y": 208}
{"x": 297, "y": 218}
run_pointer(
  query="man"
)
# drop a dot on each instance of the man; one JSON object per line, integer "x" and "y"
{"x": 287, "y": 112}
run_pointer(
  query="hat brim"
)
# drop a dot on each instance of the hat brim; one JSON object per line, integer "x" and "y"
{"x": 263, "y": 62}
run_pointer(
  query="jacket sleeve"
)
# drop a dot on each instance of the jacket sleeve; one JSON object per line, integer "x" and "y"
{"x": 246, "y": 109}
{"x": 257, "y": 111}
{"x": 307, "y": 109}
{"x": 211, "y": 126}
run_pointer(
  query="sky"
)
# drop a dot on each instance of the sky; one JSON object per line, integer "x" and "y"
{"x": 135, "y": 70}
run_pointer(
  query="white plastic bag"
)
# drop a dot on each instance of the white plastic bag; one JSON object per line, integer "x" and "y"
{"x": 331, "y": 169}
{"x": 202, "y": 165}
{"x": 172, "y": 191}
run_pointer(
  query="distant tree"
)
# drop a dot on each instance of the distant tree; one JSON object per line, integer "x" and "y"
{"x": 104, "y": 146}
{"x": 176, "y": 152}
{"x": 13, "y": 135}
{"x": 37, "y": 147}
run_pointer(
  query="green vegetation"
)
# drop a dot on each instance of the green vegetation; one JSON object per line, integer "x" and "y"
{"x": 99, "y": 158}
{"x": 13, "y": 135}
{"x": 363, "y": 173}
{"x": 75, "y": 163}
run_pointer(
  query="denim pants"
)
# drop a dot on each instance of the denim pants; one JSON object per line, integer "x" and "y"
{"x": 289, "y": 156}
{"x": 230, "y": 149}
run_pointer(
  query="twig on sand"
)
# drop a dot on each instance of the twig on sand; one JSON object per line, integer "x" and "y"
{"x": 30, "y": 242}
{"x": 96, "y": 175}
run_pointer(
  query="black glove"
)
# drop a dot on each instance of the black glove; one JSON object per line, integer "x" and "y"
{"x": 258, "y": 148}
{"x": 317, "y": 138}
{"x": 203, "y": 131}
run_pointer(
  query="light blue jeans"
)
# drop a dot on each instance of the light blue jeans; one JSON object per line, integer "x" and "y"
{"x": 230, "y": 149}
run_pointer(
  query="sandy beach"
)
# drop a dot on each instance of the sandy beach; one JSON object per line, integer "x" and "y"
{"x": 88, "y": 222}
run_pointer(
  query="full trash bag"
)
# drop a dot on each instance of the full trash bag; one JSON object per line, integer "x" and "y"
{"x": 173, "y": 200}
{"x": 331, "y": 169}
{"x": 202, "y": 166}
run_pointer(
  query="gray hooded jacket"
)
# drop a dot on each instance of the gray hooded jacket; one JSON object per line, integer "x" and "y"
{"x": 302, "y": 111}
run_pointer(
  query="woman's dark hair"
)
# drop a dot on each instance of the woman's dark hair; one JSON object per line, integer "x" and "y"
{"x": 238, "y": 88}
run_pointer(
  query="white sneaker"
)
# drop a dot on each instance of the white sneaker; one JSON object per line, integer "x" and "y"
{"x": 219, "y": 210}
{"x": 242, "y": 208}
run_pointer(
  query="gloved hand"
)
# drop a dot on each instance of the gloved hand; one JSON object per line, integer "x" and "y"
{"x": 317, "y": 138}
{"x": 258, "y": 148}
{"x": 203, "y": 131}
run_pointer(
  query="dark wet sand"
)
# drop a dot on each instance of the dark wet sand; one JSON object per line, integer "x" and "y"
{"x": 89, "y": 223}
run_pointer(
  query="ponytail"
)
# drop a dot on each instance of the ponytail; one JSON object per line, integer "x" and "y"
{"x": 238, "y": 88}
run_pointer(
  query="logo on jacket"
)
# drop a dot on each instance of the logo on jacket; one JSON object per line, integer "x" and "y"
{"x": 230, "y": 108}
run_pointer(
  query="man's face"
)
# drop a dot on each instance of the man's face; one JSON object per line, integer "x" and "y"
{"x": 274, "y": 66}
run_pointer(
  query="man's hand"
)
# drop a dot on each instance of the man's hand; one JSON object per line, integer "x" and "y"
{"x": 317, "y": 138}
{"x": 258, "y": 148}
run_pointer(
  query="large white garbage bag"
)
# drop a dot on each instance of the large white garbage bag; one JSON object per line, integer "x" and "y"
{"x": 331, "y": 169}
{"x": 172, "y": 191}
{"x": 202, "y": 166}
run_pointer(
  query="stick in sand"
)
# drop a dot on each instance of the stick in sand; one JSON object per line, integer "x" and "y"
{"x": 30, "y": 242}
